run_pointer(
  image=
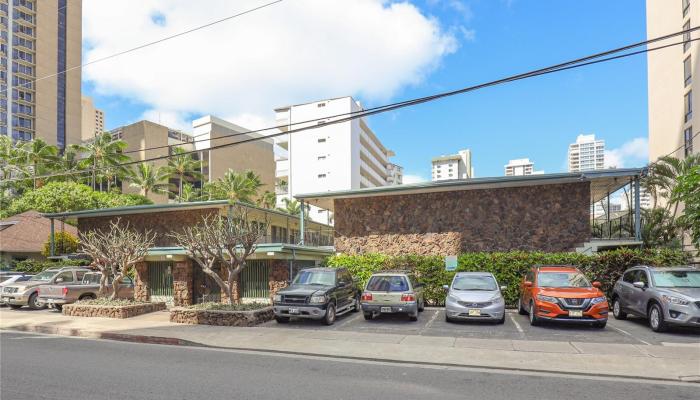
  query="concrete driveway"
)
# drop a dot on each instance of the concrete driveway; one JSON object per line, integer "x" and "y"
{"x": 432, "y": 322}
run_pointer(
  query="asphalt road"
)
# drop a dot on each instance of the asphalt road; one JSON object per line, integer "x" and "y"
{"x": 516, "y": 327}
{"x": 53, "y": 367}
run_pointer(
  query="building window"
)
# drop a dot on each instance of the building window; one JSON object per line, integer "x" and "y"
{"x": 687, "y": 71}
{"x": 321, "y": 176}
{"x": 686, "y": 6}
{"x": 688, "y": 141}
{"x": 319, "y": 105}
{"x": 321, "y": 158}
{"x": 322, "y": 140}
{"x": 686, "y": 36}
{"x": 688, "y": 106}
{"x": 61, "y": 78}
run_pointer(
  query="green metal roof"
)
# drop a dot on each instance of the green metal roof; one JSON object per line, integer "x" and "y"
{"x": 260, "y": 248}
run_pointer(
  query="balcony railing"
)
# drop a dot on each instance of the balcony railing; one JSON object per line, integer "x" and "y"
{"x": 621, "y": 227}
{"x": 311, "y": 238}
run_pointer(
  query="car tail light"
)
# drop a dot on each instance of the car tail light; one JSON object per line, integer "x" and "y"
{"x": 408, "y": 297}
{"x": 65, "y": 291}
{"x": 367, "y": 296}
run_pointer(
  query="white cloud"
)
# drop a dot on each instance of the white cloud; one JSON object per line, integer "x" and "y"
{"x": 295, "y": 51}
{"x": 633, "y": 153}
{"x": 411, "y": 178}
{"x": 169, "y": 119}
{"x": 468, "y": 34}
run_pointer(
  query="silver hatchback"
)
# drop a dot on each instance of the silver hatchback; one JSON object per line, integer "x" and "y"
{"x": 475, "y": 296}
{"x": 664, "y": 295}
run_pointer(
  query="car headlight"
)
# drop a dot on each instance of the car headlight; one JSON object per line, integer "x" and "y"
{"x": 497, "y": 299}
{"x": 597, "y": 300}
{"x": 548, "y": 299}
{"x": 675, "y": 300}
{"x": 318, "y": 299}
{"x": 452, "y": 298}
{"x": 277, "y": 298}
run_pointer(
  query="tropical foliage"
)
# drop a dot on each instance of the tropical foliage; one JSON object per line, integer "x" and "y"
{"x": 64, "y": 243}
{"x": 149, "y": 178}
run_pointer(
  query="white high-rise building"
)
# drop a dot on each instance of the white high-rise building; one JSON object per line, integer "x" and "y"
{"x": 586, "y": 154}
{"x": 343, "y": 156}
{"x": 521, "y": 166}
{"x": 454, "y": 166}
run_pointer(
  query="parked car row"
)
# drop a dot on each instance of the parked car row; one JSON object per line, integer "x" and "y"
{"x": 556, "y": 293}
{"x": 56, "y": 287}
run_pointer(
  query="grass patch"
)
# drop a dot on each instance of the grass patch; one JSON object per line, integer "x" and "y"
{"x": 228, "y": 307}
{"x": 104, "y": 301}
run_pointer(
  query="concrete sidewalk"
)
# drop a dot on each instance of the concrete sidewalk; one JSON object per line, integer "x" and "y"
{"x": 677, "y": 362}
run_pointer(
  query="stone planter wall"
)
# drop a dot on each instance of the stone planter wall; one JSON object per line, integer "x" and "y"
{"x": 80, "y": 310}
{"x": 183, "y": 315}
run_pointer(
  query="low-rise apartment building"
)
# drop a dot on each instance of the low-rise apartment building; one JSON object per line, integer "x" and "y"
{"x": 521, "y": 166}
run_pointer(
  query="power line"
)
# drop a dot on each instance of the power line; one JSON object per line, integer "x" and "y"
{"x": 394, "y": 106}
{"x": 561, "y": 66}
{"x": 197, "y": 28}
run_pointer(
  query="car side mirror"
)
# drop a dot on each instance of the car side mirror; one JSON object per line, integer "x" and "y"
{"x": 527, "y": 284}
{"x": 639, "y": 285}
{"x": 597, "y": 284}
{"x": 504, "y": 288}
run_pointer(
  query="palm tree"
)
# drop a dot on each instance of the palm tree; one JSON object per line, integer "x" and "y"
{"x": 268, "y": 200}
{"x": 38, "y": 155}
{"x": 664, "y": 177}
{"x": 293, "y": 207}
{"x": 235, "y": 186}
{"x": 183, "y": 165}
{"x": 189, "y": 193}
{"x": 148, "y": 178}
{"x": 71, "y": 164}
{"x": 104, "y": 152}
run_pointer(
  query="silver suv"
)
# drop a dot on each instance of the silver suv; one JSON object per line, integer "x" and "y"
{"x": 664, "y": 295}
{"x": 26, "y": 293}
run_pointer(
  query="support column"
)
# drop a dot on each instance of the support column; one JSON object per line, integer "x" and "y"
{"x": 141, "y": 289}
{"x": 301, "y": 223}
{"x": 637, "y": 211}
{"x": 182, "y": 283}
{"x": 52, "y": 239}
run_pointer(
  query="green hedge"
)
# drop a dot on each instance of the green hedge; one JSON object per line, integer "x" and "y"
{"x": 36, "y": 266}
{"x": 508, "y": 267}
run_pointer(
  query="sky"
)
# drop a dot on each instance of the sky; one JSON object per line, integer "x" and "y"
{"x": 380, "y": 52}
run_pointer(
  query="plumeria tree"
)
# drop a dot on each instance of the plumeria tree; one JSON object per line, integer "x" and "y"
{"x": 115, "y": 250}
{"x": 227, "y": 241}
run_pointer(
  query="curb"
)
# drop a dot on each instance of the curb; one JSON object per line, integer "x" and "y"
{"x": 169, "y": 341}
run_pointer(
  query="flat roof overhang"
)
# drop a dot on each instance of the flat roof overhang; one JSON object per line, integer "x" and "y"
{"x": 263, "y": 250}
{"x": 602, "y": 182}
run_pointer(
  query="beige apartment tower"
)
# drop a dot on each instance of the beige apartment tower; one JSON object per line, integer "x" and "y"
{"x": 39, "y": 39}
{"x": 672, "y": 79}
{"x": 93, "y": 120}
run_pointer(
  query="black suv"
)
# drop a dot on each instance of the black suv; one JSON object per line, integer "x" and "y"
{"x": 318, "y": 293}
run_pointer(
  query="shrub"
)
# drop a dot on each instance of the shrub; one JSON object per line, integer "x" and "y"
{"x": 228, "y": 307}
{"x": 36, "y": 266}
{"x": 64, "y": 243}
{"x": 508, "y": 267}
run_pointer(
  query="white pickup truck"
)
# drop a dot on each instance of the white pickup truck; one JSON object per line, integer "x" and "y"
{"x": 57, "y": 296}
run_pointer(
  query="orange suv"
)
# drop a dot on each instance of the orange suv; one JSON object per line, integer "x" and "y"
{"x": 562, "y": 293}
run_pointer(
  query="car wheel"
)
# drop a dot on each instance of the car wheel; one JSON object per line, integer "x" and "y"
{"x": 656, "y": 318}
{"x": 600, "y": 324}
{"x": 87, "y": 297}
{"x": 329, "y": 318}
{"x": 34, "y": 302}
{"x": 15, "y": 306}
{"x": 58, "y": 307}
{"x": 368, "y": 316}
{"x": 413, "y": 317}
{"x": 421, "y": 305}
{"x": 357, "y": 306}
{"x": 503, "y": 319}
{"x": 521, "y": 311}
{"x": 447, "y": 318}
{"x": 534, "y": 321}
{"x": 282, "y": 320}
{"x": 617, "y": 310}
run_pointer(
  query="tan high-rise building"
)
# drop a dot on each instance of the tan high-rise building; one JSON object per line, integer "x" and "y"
{"x": 39, "y": 39}
{"x": 93, "y": 120}
{"x": 673, "y": 79}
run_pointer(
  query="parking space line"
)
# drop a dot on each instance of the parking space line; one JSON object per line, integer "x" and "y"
{"x": 430, "y": 323}
{"x": 517, "y": 325}
{"x": 629, "y": 334}
{"x": 346, "y": 321}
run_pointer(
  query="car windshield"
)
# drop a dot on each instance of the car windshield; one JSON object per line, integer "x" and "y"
{"x": 677, "y": 279}
{"x": 44, "y": 276}
{"x": 386, "y": 283}
{"x": 315, "y": 278}
{"x": 474, "y": 282}
{"x": 562, "y": 280}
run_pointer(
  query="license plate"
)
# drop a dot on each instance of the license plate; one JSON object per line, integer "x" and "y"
{"x": 576, "y": 314}
{"x": 385, "y": 309}
{"x": 474, "y": 313}
{"x": 294, "y": 311}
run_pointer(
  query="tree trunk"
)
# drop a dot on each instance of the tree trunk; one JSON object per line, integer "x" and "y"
{"x": 103, "y": 283}
{"x": 180, "y": 189}
{"x": 222, "y": 285}
{"x": 115, "y": 286}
